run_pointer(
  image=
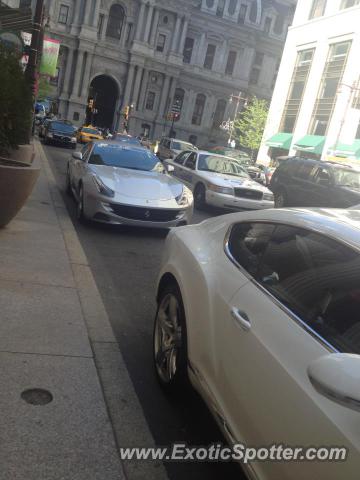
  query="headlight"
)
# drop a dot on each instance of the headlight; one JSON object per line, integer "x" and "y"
{"x": 73, "y": 139}
{"x": 50, "y": 135}
{"x": 102, "y": 188}
{"x": 186, "y": 198}
{"x": 269, "y": 197}
{"x": 224, "y": 190}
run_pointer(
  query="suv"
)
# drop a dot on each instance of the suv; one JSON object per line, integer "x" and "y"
{"x": 302, "y": 182}
{"x": 171, "y": 147}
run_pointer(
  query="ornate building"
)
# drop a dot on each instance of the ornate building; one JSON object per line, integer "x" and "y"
{"x": 157, "y": 54}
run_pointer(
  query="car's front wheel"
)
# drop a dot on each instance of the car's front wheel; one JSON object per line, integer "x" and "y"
{"x": 199, "y": 196}
{"x": 170, "y": 339}
{"x": 80, "y": 205}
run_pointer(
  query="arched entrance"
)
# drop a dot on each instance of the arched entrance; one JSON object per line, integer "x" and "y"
{"x": 103, "y": 96}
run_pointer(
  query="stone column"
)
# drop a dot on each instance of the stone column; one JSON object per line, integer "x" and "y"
{"x": 78, "y": 72}
{"x": 140, "y": 24}
{"x": 87, "y": 12}
{"x": 77, "y": 12}
{"x": 148, "y": 23}
{"x": 129, "y": 84}
{"x": 96, "y": 13}
{"x": 201, "y": 53}
{"x": 154, "y": 27}
{"x": 175, "y": 38}
{"x": 183, "y": 35}
{"x": 135, "y": 95}
{"x": 68, "y": 68}
{"x": 143, "y": 89}
{"x": 86, "y": 79}
{"x": 165, "y": 92}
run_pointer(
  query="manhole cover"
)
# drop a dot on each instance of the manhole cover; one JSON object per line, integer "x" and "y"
{"x": 37, "y": 396}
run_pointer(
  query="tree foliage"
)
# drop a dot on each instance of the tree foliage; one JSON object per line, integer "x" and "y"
{"x": 250, "y": 124}
{"x": 15, "y": 101}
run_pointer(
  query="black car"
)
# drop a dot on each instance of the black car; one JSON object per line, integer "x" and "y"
{"x": 60, "y": 133}
{"x": 301, "y": 182}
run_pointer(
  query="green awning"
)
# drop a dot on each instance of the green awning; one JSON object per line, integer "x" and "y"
{"x": 280, "y": 140}
{"x": 343, "y": 149}
{"x": 311, "y": 144}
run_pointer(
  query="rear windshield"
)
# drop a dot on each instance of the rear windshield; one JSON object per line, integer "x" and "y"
{"x": 63, "y": 127}
{"x": 113, "y": 155}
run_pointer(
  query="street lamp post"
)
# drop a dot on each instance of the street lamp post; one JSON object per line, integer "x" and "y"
{"x": 238, "y": 99}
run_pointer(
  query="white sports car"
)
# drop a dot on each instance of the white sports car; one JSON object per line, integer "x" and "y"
{"x": 219, "y": 181}
{"x": 125, "y": 184}
{"x": 261, "y": 311}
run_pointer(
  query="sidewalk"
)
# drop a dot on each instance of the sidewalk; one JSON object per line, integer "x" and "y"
{"x": 48, "y": 332}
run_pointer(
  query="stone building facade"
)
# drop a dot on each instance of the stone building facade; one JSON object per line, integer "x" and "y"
{"x": 157, "y": 54}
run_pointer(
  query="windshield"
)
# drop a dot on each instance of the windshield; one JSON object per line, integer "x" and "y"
{"x": 212, "y": 163}
{"x": 181, "y": 146}
{"x": 120, "y": 156}
{"x": 63, "y": 127}
{"x": 90, "y": 130}
{"x": 347, "y": 178}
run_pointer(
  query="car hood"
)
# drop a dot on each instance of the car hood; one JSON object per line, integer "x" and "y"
{"x": 224, "y": 180}
{"x": 138, "y": 184}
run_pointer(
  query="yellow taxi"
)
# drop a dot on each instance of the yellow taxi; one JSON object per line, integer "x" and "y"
{"x": 87, "y": 133}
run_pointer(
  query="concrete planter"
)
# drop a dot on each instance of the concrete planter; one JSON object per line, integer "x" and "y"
{"x": 18, "y": 174}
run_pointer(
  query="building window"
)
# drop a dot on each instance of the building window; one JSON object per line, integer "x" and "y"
{"x": 188, "y": 49}
{"x": 160, "y": 46}
{"x": 219, "y": 113}
{"x": 317, "y": 9}
{"x": 178, "y": 100}
{"x": 76, "y": 116}
{"x": 210, "y": 56}
{"x": 242, "y": 14}
{"x": 220, "y": 8}
{"x": 296, "y": 90}
{"x": 210, "y": 3}
{"x": 253, "y": 11}
{"x": 259, "y": 58}
{"x": 198, "y": 109}
{"x": 232, "y": 7}
{"x": 279, "y": 24}
{"x": 348, "y": 4}
{"x": 146, "y": 130}
{"x": 254, "y": 76}
{"x": 267, "y": 25}
{"x": 63, "y": 14}
{"x": 331, "y": 78}
{"x": 100, "y": 24}
{"x": 150, "y": 101}
{"x": 193, "y": 139}
{"x": 115, "y": 22}
{"x": 230, "y": 64}
{"x": 25, "y": 3}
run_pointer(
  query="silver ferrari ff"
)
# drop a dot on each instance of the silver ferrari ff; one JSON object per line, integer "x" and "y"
{"x": 125, "y": 184}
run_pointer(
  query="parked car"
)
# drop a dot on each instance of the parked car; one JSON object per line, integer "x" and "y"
{"x": 260, "y": 310}
{"x": 307, "y": 182}
{"x": 171, "y": 147}
{"x": 255, "y": 171}
{"x": 87, "y": 134}
{"x": 124, "y": 184}
{"x": 60, "y": 132}
{"x": 219, "y": 181}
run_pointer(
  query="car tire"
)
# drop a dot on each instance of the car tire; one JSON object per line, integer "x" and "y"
{"x": 170, "y": 340}
{"x": 68, "y": 182}
{"x": 280, "y": 199}
{"x": 200, "y": 197}
{"x": 80, "y": 206}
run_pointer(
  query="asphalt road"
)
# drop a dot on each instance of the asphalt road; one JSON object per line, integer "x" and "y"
{"x": 125, "y": 263}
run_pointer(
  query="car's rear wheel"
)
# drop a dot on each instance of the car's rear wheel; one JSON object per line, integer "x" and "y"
{"x": 199, "y": 196}
{"x": 170, "y": 340}
{"x": 280, "y": 199}
{"x": 68, "y": 182}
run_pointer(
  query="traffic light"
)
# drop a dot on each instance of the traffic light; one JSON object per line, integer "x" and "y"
{"x": 126, "y": 112}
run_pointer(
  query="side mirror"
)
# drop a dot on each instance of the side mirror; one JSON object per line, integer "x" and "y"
{"x": 337, "y": 377}
{"x": 77, "y": 155}
{"x": 170, "y": 168}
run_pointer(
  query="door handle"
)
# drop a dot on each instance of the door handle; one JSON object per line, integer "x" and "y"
{"x": 241, "y": 319}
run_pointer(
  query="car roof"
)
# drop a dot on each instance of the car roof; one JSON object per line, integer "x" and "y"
{"x": 344, "y": 165}
{"x": 340, "y": 224}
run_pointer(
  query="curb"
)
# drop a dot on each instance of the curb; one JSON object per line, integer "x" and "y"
{"x": 124, "y": 409}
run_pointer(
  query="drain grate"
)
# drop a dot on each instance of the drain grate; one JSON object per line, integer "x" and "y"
{"x": 37, "y": 396}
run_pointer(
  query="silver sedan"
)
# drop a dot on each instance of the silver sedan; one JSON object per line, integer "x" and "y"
{"x": 125, "y": 184}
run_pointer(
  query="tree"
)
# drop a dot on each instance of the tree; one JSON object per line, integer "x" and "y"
{"x": 250, "y": 124}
